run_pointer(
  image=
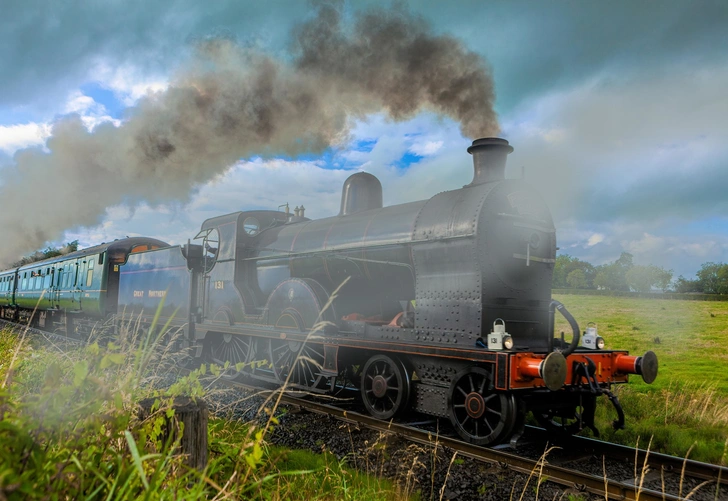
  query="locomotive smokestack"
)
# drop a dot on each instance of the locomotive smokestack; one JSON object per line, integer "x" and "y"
{"x": 489, "y": 159}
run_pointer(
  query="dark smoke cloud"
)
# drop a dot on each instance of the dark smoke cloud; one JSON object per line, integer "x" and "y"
{"x": 230, "y": 103}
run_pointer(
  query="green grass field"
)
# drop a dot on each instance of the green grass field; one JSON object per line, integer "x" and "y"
{"x": 687, "y": 406}
{"x": 68, "y": 431}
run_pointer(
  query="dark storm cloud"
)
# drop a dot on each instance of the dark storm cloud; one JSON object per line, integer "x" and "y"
{"x": 683, "y": 195}
{"x": 536, "y": 46}
{"x": 49, "y": 48}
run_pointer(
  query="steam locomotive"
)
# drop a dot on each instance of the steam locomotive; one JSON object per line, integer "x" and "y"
{"x": 441, "y": 306}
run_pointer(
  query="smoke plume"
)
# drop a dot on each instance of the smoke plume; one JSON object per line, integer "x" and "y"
{"x": 231, "y": 102}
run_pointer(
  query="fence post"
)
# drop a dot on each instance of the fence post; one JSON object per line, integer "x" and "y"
{"x": 192, "y": 416}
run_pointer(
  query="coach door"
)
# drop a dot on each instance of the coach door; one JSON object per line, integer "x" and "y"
{"x": 80, "y": 281}
{"x": 48, "y": 286}
{"x": 56, "y": 277}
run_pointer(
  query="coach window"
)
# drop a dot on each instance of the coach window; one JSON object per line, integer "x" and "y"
{"x": 90, "y": 273}
{"x": 25, "y": 280}
{"x": 47, "y": 280}
{"x": 38, "y": 279}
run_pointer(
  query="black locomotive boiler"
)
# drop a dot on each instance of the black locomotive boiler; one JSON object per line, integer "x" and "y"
{"x": 441, "y": 306}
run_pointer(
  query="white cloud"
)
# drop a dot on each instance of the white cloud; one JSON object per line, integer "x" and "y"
{"x": 91, "y": 112}
{"x": 595, "y": 239}
{"x": 426, "y": 148}
{"x": 16, "y": 137}
{"x": 128, "y": 83}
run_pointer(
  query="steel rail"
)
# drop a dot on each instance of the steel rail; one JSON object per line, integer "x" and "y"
{"x": 572, "y": 479}
{"x": 674, "y": 464}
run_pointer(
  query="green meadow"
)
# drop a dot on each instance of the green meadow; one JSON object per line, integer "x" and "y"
{"x": 686, "y": 409}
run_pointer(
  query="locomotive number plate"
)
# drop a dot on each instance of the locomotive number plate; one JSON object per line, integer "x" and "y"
{"x": 219, "y": 284}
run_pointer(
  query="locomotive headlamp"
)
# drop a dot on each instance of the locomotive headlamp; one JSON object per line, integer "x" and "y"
{"x": 499, "y": 338}
{"x": 507, "y": 342}
{"x": 590, "y": 339}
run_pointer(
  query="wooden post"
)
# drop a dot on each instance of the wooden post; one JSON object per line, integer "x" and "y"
{"x": 193, "y": 417}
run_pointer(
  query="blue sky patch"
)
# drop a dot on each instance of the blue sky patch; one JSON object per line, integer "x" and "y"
{"x": 105, "y": 97}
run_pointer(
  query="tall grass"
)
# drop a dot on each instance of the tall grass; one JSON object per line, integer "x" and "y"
{"x": 69, "y": 430}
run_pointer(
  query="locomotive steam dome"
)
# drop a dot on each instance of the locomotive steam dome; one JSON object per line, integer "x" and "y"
{"x": 362, "y": 191}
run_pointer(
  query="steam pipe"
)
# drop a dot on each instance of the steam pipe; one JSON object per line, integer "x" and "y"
{"x": 574, "y": 326}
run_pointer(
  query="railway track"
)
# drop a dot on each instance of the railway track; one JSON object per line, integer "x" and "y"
{"x": 574, "y": 480}
{"x": 50, "y": 336}
{"x": 650, "y": 466}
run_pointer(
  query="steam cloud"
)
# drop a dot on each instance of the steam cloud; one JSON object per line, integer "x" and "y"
{"x": 230, "y": 103}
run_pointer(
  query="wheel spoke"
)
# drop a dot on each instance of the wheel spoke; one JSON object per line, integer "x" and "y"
{"x": 482, "y": 386}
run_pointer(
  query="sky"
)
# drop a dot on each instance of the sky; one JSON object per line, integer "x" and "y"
{"x": 616, "y": 110}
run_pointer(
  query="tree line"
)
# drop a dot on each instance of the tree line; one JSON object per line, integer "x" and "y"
{"x": 624, "y": 275}
{"x": 569, "y": 272}
{"x": 46, "y": 253}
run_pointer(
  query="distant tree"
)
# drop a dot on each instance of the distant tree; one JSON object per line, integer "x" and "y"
{"x": 577, "y": 279}
{"x": 663, "y": 278}
{"x": 625, "y": 261}
{"x": 645, "y": 278}
{"x": 565, "y": 265}
{"x": 713, "y": 278}
{"x": 684, "y": 285}
{"x": 612, "y": 276}
{"x": 603, "y": 279}
{"x": 47, "y": 253}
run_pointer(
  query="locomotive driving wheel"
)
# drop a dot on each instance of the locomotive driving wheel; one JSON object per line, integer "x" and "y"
{"x": 385, "y": 386}
{"x": 479, "y": 414}
{"x": 229, "y": 348}
{"x": 298, "y": 362}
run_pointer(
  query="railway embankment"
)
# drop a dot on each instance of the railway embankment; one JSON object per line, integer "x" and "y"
{"x": 68, "y": 430}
